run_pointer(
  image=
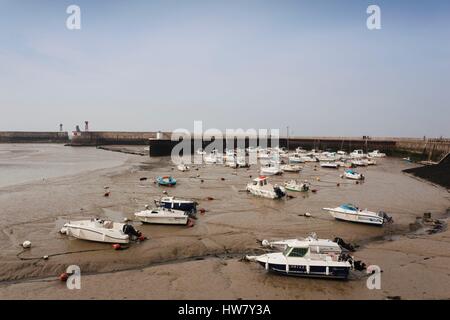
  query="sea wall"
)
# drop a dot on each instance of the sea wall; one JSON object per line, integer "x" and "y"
{"x": 33, "y": 137}
{"x": 98, "y": 138}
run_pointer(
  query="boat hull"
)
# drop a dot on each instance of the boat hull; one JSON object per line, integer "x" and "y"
{"x": 302, "y": 270}
{"x": 357, "y": 218}
{"x": 163, "y": 220}
{"x": 85, "y": 233}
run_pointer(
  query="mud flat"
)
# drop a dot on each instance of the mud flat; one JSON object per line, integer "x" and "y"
{"x": 203, "y": 262}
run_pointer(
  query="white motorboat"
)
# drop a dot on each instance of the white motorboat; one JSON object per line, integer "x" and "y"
{"x": 349, "y": 212}
{"x": 242, "y": 163}
{"x": 351, "y": 174}
{"x": 359, "y": 163}
{"x": 308, "y": 158}
{"x": 309, "y": 257}
{"x": 377, "y": 154}
{"x": 97, "y": 230}
{"x": 201, "y": 152}
{"x": 332, "y": 165}
{"x": 182, "y": 167}
{"x": 296, "y": 158}
{"x": 270, "y": 169}
{"x": 291, "y": 168}
{"x": 261, "y": 188}
{"x": 294, "y": 185}
{"x": 357, "y": 154}
{"x": 163, "y": 216}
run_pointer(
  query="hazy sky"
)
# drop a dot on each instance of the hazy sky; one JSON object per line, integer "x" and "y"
{"x": 160, "y": 65}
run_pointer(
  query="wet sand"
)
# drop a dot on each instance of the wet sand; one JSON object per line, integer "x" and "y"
{"x": 202, "y": 262}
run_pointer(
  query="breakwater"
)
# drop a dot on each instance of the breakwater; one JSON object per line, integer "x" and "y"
{"x": 161, "y": 144}
{"x": 33, "y": 137}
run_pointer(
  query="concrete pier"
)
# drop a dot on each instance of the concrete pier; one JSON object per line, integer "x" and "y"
{"x": 33, "y": 137}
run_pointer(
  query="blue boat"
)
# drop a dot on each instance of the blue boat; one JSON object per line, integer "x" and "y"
{"x": 166, "y": 181}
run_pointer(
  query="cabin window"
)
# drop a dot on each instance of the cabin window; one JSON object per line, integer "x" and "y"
{"x": 298, "y": 252}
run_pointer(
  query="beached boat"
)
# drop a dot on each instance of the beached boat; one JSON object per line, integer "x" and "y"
{"x": 296, "y": 158}
{"x": 291, "y": 168}
{"x": 357, "y": 154}
{"x": 376, "y": 154}
{"x": 182, "y": 167}
{"x": 332, "y": 165}
{"x": 294, "y": 185}
{"x": 359, "y": 163}
{"x": 349, "y": 212}
{"x": 177, "y": 204}
{"x": 351, "y": 174}
{"x": 163, "y": 216}
{"x": 309, "y": 257}
{"x": 97, "y": 230}
{"x": 370, "y": 162}
{"x": 271, "y": 169}
{"x": 201, "y": 152}
{"x": 166, "y": 181}
{"x": 261, "y": 188}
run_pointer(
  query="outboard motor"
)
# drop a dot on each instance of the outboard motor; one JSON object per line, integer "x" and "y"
{"x": 344, "y": 244}
{"x": 386, "y": 218}
{"x": 279, "y": 192}
{"x": 131, "y": 231}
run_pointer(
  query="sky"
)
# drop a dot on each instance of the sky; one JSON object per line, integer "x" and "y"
{"x": 160, "y": 65}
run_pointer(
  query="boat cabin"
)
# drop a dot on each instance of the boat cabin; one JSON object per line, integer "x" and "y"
{"x": 260, "y": 181}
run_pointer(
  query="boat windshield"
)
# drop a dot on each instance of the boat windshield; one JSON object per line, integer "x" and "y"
{"x": 298, "y": 252}
{"x": 348, "y": 206}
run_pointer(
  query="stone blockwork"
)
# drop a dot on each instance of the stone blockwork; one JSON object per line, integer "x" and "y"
{"x": 33, "y": 137}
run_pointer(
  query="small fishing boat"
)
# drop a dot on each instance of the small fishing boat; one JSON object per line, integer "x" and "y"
{"x": 349, "y": 212}
{"x": 332, "y": 165}
{"x": 350, "y": 174}
{"x": 376, "y": 154}
{"x": 182, "y": 167}
{"x": 261, "y": 188}
{"x": 166, "y": 181}
{"x": 99, "y": 230}
{"x": 177, "y": 204}
{"x": 163, "y": 216}
{"x": 291, "y": 168}
{"x": 357, "y": 154}
{"x": 294, "y": 185}
{"x": 309, "y": 257}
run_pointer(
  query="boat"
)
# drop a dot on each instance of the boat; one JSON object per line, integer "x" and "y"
{"x": 98, "y": 230}
{"x": 261, "y": 188}
{"x": 182, "y": 167}
{"x": 271, "y": 169}
{"x": 177, "y": 204}
{"x": 291, "y": 168}
{"x": 376, "y": 154}
{"x": 163, "y": 216}
{"x": 308, "y": 158}
{"x": 350, "y": 174}
{"x": 242, "y": 163}
{"x": 294, "y": 185}
{"x": 309, "y": 257}
{"x": 332, "y": 165}
{"x": 370, "y": 162}
{"x": 201, "y": 152}
{"x": 166, "y": 181}
{"x": 211, "y": 159}
{"x": 350, "y": 212}
{"x": 357, "y": 154}
{"x": 359, "y": 163}
{"x": 296, "y": 158}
